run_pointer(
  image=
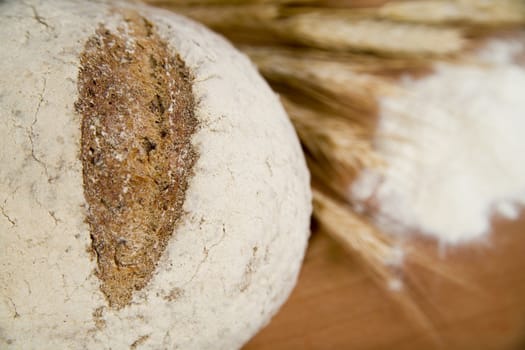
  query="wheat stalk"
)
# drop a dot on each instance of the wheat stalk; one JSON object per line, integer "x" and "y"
{"x": 336, "y": 145}
{"x": 355, "y": 233}
{"x": 473, "y": 12}
{"x": 339, "y": 31}
{"x": 338, "y": 85}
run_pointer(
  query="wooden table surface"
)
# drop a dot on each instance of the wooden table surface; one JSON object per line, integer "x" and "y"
{"x": 477, "y": 301}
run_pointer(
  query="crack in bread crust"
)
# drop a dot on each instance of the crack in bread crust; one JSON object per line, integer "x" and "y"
{"x": 137, "y": 108}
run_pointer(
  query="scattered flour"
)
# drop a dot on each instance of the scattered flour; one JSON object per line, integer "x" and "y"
{"x": 454, "y": 143}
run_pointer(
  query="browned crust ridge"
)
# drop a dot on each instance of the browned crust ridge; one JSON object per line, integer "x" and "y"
{"x": 137, "y": 107}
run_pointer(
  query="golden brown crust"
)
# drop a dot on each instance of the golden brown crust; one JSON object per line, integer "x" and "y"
{"x": 137, "y": 106}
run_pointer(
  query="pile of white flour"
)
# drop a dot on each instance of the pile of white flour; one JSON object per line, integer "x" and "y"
{"x": 454, "y": 144}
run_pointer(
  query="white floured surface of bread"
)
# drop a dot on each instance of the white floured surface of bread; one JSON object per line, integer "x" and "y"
{"x": 237, "y": 249}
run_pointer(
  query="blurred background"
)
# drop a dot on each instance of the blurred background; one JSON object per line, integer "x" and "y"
{"x": 410, "y": 115}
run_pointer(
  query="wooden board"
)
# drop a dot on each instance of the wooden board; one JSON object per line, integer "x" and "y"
{"x": 477, "y": 301}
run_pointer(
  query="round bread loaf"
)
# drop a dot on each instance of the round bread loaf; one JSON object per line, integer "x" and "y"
{"x": 153, "y": 193}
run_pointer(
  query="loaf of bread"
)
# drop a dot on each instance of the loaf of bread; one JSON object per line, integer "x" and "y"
{"x": 153, "y": 193}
